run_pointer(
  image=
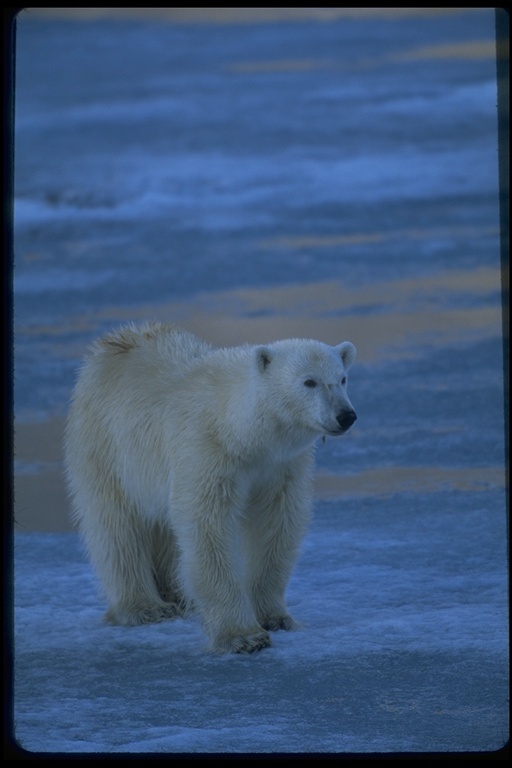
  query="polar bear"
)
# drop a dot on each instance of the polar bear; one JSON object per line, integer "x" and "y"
{"x": 190, "y": 470}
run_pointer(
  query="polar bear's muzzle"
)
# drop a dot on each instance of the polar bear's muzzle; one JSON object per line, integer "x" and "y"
{"x": 345, "y": 419}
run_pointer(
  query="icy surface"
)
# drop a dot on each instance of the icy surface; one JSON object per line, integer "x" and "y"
{"x": 403, "y": 646}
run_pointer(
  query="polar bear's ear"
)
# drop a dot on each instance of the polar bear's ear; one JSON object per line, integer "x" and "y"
{"x": 347, "y": 352}
{"x": 263, "y": 357}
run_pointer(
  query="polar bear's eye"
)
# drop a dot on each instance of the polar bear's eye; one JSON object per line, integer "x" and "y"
{"x": 344, "y": 380}
{"x": 310, "y": 383}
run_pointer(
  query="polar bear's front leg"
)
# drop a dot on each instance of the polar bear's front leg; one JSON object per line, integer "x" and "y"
{"x": 272, "y": 534}
{"x": 212, "y": 579}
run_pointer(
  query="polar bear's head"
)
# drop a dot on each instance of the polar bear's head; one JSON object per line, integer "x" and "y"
{"x": 306, "y": 384}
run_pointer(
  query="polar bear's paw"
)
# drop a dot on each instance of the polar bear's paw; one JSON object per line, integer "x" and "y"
{"x": 284, "y": 621}
{"x": 242, "y": 642}
{"x": 145, "y": 614}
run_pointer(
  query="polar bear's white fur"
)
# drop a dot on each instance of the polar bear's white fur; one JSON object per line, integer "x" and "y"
{"x": 191, "y": 470}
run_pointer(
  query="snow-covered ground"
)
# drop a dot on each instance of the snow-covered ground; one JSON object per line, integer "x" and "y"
{"x": 403, "y": 647}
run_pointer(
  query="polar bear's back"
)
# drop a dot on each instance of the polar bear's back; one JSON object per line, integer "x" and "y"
{"x": 162, "y": 341}
{"x": 130, "y": 377}
{"x": 124, "y": 410}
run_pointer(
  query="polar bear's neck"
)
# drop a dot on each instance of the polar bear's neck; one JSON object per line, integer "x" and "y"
{"x": 239, "y": 413}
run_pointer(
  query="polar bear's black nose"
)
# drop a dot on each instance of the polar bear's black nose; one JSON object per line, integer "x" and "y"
{"x": 346, "y": 419}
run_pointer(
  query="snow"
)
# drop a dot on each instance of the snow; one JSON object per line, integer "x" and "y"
{"x": 403, "y": 647}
